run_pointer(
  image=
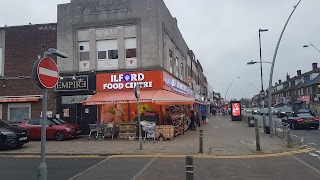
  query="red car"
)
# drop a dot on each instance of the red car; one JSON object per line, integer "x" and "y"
{"x": 54, "y": 130}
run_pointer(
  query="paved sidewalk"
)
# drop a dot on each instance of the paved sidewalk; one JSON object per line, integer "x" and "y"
{"x": 221, "y": 137}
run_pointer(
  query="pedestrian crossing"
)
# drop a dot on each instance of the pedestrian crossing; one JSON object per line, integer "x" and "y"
{"x": 315, "y": 153}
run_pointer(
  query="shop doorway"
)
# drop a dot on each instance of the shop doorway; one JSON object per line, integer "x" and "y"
{"x": 78, "y": 114}
{"x": 88, "y": 116}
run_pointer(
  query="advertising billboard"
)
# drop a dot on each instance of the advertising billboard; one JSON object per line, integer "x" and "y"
{"x": 236, "y": 111}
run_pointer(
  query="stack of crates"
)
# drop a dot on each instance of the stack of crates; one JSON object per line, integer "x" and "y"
{"x": 127, "y": 130}
{"x": 166, "y": 130}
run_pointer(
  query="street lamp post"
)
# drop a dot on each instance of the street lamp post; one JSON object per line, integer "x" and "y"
{"x": 272, "y": 68}
{"x": 312, "y": 46}
{"x": 255, "y": 87}
{"x": 225, "y": 97}
{"x": 262, "y": 90}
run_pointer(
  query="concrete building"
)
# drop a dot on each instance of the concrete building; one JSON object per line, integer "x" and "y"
{"x": 20, "y": 47}
{"x": 103, "y": 36}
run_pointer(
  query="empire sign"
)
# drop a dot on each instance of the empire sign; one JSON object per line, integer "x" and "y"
{"x": 78, "y": 83}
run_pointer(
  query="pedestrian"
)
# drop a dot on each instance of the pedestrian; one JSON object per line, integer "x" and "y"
{"x": 193, "y": 120}
{"x": 214, "y": 112}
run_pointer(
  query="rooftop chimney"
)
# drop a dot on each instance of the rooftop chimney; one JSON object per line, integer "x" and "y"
{"x": 314, "y": 66}
{"x": 280, "y": 81}
{"x": 288, "y": 77}
{"x": 299, "y": 72}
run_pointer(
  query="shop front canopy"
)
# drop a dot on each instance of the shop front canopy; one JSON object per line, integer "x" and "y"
{"x": 161, "y": 97}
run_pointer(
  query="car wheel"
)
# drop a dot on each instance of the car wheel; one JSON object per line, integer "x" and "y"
{"x": 59, "y": 136}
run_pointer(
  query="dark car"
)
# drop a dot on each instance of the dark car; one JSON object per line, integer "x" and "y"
{"x": 301, "y": 111}
{"x": 302, "y": 120}
{"x": 284, "y": 111}
{"x": 12, "y": 136}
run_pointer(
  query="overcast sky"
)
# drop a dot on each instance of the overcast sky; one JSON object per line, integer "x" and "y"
{"x": 224, "y": 36}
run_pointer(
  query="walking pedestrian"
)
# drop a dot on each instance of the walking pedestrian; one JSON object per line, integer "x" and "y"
{"x": 193, "y": 120}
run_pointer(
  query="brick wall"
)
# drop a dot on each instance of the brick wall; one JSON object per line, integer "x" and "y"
{"x": 23, "y": 44}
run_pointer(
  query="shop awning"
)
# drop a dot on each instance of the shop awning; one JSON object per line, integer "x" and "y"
{"x": 162, "y": 97}
{"x": 9, "y": 99}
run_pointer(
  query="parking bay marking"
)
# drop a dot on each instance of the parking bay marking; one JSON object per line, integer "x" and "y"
{"x": 314, "y": 155}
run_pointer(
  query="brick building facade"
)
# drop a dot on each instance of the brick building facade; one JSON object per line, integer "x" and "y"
{"x": 20, "y": 46}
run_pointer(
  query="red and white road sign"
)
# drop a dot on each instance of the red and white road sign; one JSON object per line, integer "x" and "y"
{"x": 48, "y": 73}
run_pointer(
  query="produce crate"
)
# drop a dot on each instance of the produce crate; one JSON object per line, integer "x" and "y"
{"x": 166, "y": 130}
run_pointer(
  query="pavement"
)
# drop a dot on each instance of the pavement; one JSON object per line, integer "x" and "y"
{"x": 222, "y": 137}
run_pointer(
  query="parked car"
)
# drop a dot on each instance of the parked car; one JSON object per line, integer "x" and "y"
{"x": 256, "y": 111}
{"x": 58, "y": 121}
{"x": 12, "y": 136}
{"x": 264, "y": 111}
{"x": 248, "y": 110}
{"x": 274, "y": 110}
{"x": 301, "y": 120}
{"x": 284, "y": 111}
{"x": 58, "y": 132}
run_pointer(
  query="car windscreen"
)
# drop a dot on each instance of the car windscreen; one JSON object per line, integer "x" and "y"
{"x": 303, "y": 111}
{"x": 286, "y": 110}
{"x": 305, "y": 115}
{"x": 4, "y": 124}
{"x": 55, "y": 121}
{"x": 61, "y": 121}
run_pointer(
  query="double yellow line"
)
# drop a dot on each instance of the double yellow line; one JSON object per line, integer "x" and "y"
{"x": 200, "y": 156}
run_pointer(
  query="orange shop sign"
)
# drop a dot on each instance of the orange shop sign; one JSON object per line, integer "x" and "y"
{"x": 128, "y": 80}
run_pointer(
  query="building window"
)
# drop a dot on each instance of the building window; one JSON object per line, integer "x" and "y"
{"x": 131, "y": 53}
{"x": 19, "y": 112}
{"x": 112, "y": 54}
{"x": 107, "y": 54}
{"x": 84, "y": 51}
{"x": 181, "y": 70}
{"x": 102, "y": 55}
{"x": 171, "y": 61}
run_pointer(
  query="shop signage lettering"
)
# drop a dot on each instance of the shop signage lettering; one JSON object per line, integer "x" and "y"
{"x": 176, "y": 85}
{"x": 128, "y": 81}
{"x": 69, "y": 84}
{"x": 97, "y": 8}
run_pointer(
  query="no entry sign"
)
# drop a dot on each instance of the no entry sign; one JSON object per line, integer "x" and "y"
{"x": 45, "y": 73}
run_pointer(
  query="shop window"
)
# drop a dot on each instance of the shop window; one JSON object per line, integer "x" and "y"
{"x": 19, "y": 113}
{"x": 131, "y": 53}
{"x": 113, "y": 54}
{"x": 102, "y": 55}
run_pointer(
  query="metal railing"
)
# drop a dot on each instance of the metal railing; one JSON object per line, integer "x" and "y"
{"x": 282, "y": 130}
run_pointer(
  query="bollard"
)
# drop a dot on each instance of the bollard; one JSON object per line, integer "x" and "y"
{"x": 200, "y": 141}
{"x": 275, "y": 127}
{"x": 257, "y": 134}
{"x": 288, "y": 137}
{"x": 189, "y": 168}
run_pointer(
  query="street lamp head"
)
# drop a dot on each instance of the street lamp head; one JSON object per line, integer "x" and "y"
{"x": 306, "y": 46}
{"x": 238, "y": 77}
{"x": 263, "y": 30}
{"x": 251, "y": 62}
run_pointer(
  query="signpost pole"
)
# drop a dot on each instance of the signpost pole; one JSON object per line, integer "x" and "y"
{"x": 42, "y": 169}
{"x": 137, "y": 94}
{"x": 140, "y": 138}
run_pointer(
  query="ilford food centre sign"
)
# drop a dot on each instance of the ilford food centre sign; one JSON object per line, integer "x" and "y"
{"x": 128, "y": 80}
